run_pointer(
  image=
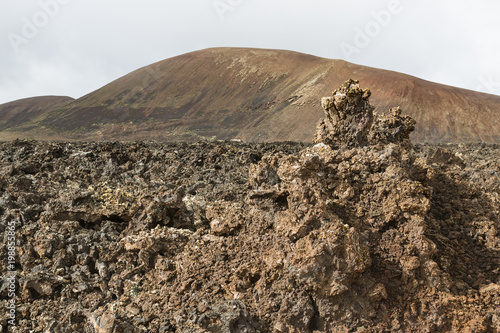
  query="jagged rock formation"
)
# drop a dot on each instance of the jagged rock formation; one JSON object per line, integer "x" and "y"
{"x": 351, "y": 122}
{"x": 366, "y": 235}
{"x": 362, "y": 212}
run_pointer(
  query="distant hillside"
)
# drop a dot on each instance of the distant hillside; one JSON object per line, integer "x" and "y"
{"x": 258, "y": 95}
{"x": 27, "y": 111}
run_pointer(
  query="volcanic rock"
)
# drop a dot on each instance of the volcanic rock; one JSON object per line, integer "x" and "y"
{"x": 350, "y": 120}
{"x": 368, "y": 234}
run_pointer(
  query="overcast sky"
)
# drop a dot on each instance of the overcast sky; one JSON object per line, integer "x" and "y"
{"x": 71, "y": 48}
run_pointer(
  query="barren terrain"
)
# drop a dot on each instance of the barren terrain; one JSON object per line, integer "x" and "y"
{"x": 255, "y": 95}
{"x": 366, "y": 234}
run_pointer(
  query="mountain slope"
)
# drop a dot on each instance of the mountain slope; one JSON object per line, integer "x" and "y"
{"x": 25, "y": 111}
{"x": 262, "y": 95}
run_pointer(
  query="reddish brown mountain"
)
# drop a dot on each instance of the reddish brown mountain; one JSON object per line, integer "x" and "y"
{"x": 260, "y": 95}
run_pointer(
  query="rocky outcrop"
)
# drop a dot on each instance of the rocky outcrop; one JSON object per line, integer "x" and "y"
{"x": 367, "y": 234}
{"x": 350, "y": 121}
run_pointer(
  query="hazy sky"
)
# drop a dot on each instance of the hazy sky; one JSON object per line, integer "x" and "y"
{"x": 70, "y": 47}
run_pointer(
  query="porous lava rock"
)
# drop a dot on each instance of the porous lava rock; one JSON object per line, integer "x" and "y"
{"x": 360, "y": 232}
{"x": 350, "y": 121}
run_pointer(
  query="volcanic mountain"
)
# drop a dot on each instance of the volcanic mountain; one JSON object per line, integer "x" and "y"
{"x": 25, "y": 111}
{"x": 254, "y": 95}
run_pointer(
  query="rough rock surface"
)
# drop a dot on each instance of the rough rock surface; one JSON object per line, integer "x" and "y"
{"x": 231, "y": 237}
{"x": 350, "y": 120}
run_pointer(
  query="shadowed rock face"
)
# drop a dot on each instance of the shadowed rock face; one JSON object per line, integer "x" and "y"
{"x": 350, "y": 120}
{"x": 392, "y": 128}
